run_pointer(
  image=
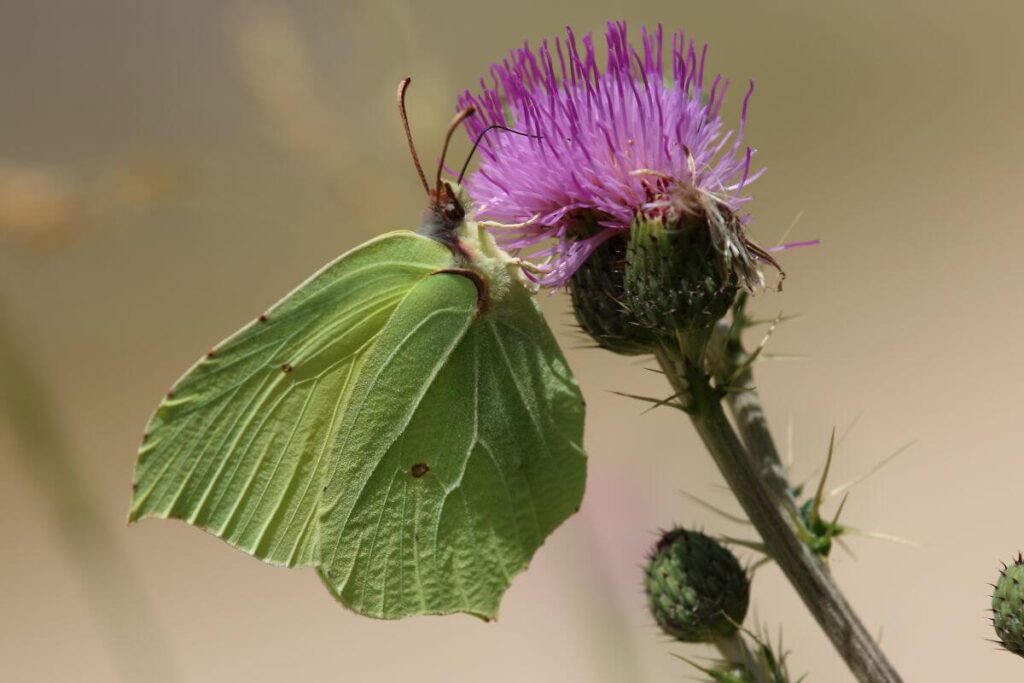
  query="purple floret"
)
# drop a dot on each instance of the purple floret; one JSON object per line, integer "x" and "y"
{"x": 609, "y": 143}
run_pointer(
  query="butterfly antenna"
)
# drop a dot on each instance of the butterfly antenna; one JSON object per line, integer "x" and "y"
{"x": 480, "y": 138}
{"x": 402, "y": 87}
{"x": 456, "y": 122}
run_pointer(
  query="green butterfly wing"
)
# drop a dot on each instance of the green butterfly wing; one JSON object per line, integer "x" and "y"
{"x": 377, "y": 425}
{"x": 239, "y": 444}
{"x": 469, "y": 431}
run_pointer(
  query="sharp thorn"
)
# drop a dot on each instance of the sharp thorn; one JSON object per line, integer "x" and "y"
{"x": 882, "y": 463}
{"x": 717, "y": 510}
{"x": 819, "y": 494}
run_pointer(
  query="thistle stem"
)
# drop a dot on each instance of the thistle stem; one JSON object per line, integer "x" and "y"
{"x": 771, "y": 514}
{"x": 752, "y": 426}
{"x": 731, "y": 364}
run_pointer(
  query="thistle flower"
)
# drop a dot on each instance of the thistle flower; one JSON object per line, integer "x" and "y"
{"x": 615, "y": 144}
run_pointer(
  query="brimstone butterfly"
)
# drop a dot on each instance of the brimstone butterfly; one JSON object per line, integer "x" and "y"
{"x": 403, "y": 421}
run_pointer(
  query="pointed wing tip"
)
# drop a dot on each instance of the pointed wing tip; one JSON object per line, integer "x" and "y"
{"x": 137, "y": 513}
{"x": 136, "y": 510}
{"x": 486, "y": 617}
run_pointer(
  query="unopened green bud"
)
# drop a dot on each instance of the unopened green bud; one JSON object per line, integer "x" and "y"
{"x": 1008, "y": 606}
{"x": 598, "y": 298}
{"x": 696, "y": 589}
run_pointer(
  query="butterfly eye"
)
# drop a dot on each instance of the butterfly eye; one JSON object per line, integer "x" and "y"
{"x": 453, "y": 211}
{"x": 452, "y": 208}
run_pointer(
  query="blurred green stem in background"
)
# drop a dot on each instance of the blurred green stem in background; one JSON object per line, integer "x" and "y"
{"x": 138, "y": 647}
{"x": 592, "y": 586}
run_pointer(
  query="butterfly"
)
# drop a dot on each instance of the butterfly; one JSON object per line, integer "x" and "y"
{"x": 403, "y": 421}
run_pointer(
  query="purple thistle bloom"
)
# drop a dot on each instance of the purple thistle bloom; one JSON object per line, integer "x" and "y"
{"x": 611, "y": 144}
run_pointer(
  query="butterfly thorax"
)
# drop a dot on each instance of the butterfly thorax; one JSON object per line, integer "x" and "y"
{"x": 449, "y": 220}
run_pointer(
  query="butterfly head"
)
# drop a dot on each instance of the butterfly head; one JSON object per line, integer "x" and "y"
{"x": 447, "y": 201}
{"x": 449, "y": 217}
{"x": 446, "y": 211}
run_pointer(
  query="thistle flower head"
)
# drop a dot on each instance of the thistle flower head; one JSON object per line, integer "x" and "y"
{"x": 610, "y": 143}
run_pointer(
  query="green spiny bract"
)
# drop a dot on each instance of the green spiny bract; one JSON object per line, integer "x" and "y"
{"x": 598, "y": 297}
{"x": 676, "y": 271}
{"x": 739, "y": 673}
{"x": 766, "y": 667}
{"x": 819, "y": 531}
{"x": 1008, "y": 606}
{"x": 675, "y": 278}
{"x": 758, "y": 661}
{"x": 696, "y": 589}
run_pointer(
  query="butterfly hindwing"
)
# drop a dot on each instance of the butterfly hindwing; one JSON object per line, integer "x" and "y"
{"x": 480, "y": 461}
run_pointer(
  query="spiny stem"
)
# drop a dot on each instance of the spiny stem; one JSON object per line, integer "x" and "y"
{"x": 728, "y": 360}
{"x": 769, "y": 510}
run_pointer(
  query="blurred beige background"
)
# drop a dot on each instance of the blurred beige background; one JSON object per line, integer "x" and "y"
{"x": 169, "y": 168}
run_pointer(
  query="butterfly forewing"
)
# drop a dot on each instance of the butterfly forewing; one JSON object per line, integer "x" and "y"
{"x": 239, "y": 445}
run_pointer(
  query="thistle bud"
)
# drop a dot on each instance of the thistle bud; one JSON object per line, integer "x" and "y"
{"x": 598, "y": 299}
{"x": 1008, "y": 606}
{"x": 686, "y": 260}
{"x": 696, "y": 589}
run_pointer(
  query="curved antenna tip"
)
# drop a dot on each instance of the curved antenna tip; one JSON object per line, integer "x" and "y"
{"x": 479, "y": 139}
{"x": 403, "y": 85}
{"x": 456, "y": 122}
